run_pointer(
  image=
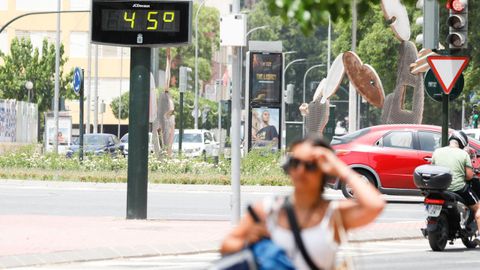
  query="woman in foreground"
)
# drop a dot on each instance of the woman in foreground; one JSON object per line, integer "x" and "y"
{"x": 310, "y": 163}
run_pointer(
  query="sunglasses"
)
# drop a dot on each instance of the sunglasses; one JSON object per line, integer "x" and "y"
{"x": 309, "y": 166}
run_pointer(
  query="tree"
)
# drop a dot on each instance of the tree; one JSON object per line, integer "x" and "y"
{"x": 208, "y": 43}
{"x": 311, "y": 13}
{"x": 25, "y": 63}
{"x": 188, "y": 121}
{"x": 115, "y": 105}
{"x": 377, "y": 47}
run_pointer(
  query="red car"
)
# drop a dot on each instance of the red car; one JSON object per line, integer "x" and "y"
{"x": 386, "y": 155}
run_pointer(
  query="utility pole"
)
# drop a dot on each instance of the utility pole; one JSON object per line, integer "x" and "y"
{"x": 430, "y": 24}
{"x": 236, "y": 126}
{"x": 195, "y": 103}
{"x": 329, "y": 54}
{"x": 57, "y": 80}
{"x": 352, "y": 94}
{"x": 95, "y": 94}
{"x": 89, "y": 86}
{"x": 120, "y": 100}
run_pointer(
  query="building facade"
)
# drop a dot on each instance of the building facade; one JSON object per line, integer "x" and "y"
{"x": 106, "y": 68}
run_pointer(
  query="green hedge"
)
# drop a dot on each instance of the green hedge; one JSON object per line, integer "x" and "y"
{"x": 258, "y": 168}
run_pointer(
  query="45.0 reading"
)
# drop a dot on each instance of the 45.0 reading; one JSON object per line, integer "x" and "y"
{"x": 141, "y": 20}
{"x": 152, "y": 18}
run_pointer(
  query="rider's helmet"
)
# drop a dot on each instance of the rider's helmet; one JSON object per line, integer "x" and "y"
{"x": 460, "y": 137}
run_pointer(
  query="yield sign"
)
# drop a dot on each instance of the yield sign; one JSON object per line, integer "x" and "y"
{"x": 447, "y": 69}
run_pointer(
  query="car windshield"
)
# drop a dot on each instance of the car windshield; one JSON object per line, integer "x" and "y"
{"x": 189, "y": 138}
{"x": 95, "y": 140}
{"x": 124, "y": 139}
{"x": 349, "y": 137}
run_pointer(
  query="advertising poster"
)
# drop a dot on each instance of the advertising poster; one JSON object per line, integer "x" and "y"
{"x": 265, "y": 77}
{"x": 265, "y": 123}
{"x": 64, "y": 134}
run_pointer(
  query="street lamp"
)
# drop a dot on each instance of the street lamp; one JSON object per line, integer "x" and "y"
{"x": 304, "y": 82}
{"x": 255, "y": 29}
{"x": 284, "y": 131}
{"x": 29, "y": 86}
{"x": 246, "y": 39}
{"x": 196, "y": 65}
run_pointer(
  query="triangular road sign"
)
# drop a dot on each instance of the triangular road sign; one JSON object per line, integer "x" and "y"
{"x": 447, "y": 69}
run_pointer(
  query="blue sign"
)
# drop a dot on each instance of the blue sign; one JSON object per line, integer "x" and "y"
{"x": 77, "y": 80}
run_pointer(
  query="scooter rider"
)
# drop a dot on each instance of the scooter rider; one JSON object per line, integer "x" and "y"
{"x": 458, "y": 161}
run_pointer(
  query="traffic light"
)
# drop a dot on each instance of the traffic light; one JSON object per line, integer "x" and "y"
{"x": 289, "y": 94}
{"x": 185, "y": 79}
{"x": 458, "y": 24}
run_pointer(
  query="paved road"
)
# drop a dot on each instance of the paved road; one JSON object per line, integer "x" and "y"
{"x": 392, "y": 255}
{"x": 174, "y": 202}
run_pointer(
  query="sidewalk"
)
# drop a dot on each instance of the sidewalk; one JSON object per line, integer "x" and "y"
{"x": 35, "y": 240}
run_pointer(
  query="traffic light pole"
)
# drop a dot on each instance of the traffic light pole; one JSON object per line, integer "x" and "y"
{"x": 236, "y": 127}
{"x": 138, "y": 133}
{"x": 430, "y": 24}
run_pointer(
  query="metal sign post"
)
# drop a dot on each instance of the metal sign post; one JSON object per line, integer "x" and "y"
{"x": 138, "y": 133}
{"x": 447, "y": 69}
{"x": 78, "y": 86}
{"x": 140, "y": 25}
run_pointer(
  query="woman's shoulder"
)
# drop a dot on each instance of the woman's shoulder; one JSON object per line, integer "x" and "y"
{"x": 272, "y": 203}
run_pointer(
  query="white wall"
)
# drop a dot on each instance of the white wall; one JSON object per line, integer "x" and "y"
{"x": 78, "y": 44}
{"x": 79, "y": 4}
{"x": 108, "y": 89}
{"x": 36, "y": 5}
{"x": 3, "y": 4}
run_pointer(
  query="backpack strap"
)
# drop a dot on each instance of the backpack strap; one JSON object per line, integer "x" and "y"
{"x": 296, "y": 233}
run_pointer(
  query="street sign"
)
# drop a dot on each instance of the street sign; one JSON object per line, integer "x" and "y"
{"x": 447, "y": 69}
{"x": 434, "y": 90}
{"x": 142, "y": 23}
{"x": 77, "y": 80}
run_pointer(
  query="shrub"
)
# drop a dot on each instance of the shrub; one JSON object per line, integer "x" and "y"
{"x": 259, "y": 167}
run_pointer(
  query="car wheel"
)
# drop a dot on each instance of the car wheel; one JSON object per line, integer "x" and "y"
{"x": 366, "y": 176}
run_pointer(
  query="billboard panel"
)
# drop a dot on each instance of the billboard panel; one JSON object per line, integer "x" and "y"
{"x": 64, "y": 135}
{"x": 265, "y": 80}
{"x": 265, "y": 126}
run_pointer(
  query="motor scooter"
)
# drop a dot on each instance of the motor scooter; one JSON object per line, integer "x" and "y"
{"x": 448, "y": 218}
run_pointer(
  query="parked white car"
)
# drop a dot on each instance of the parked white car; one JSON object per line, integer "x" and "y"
{"x": 124, "y": 143}
{"x": 195, "y": 143}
